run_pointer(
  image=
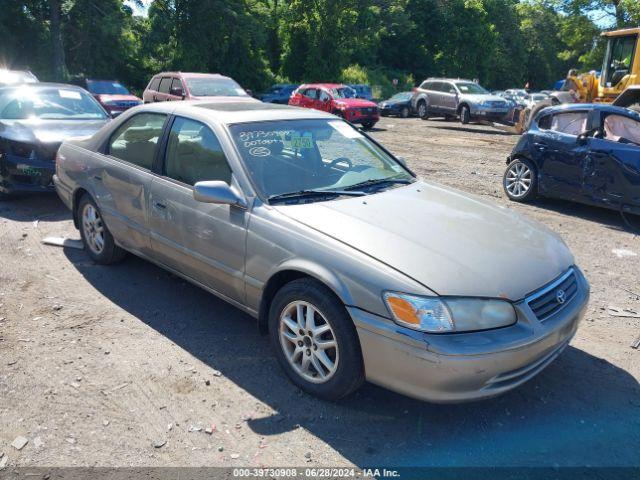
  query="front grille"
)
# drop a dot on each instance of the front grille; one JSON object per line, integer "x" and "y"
{"x": 368, "y": 110}
{"x": 549, "y": 300}
{"x": 497, "y": 103}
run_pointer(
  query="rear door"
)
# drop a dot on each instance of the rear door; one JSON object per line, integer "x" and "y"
{"x": 324, "y": 101}
{"x": 123, "y": 181}
{"x": 612, "y": 163}
{"x": 449, "y": 97}
{"x": 201, "y": 240}
{"x": 434, "y": 93}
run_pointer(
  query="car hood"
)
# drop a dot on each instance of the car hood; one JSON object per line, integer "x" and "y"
{"x": 393, "y": 102}
{"x": 117, "y": 98}
{"x": 354, "y": 102}
{"x": 48, "y": 131}
{"x": 450, "y": 242}
{"x": 479, "y": 97}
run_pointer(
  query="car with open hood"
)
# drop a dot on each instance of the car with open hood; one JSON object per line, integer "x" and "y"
{"x": 34, "y": 120}
{"x": 338, "y": 99}
{"x": 355, "y": 268}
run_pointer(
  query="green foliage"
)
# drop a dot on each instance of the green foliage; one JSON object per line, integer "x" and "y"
{"x": 502, "y": 43}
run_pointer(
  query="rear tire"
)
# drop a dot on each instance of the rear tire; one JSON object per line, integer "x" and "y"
{"x": 96, "y": 237}
{"x": 330, "y": 372}
{"x": 520, "y": 180}
{"x": 465, "y": 115}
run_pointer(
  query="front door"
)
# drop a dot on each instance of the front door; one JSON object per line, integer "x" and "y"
{"x": 201, "y": 240}
{"x": 561, "y": 155}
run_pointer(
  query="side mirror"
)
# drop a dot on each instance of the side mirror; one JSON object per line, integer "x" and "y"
{"x": 178, "y": 92}
{"x": 582, "y": 138}
{"x": 218, "y": 192}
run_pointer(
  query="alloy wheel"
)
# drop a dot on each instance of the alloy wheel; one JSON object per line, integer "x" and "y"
{"x": 422, "y": 109}
{"x": 518, "y": 179}
{"x": 93, "y": 228}
{"x": 308, "y": 342}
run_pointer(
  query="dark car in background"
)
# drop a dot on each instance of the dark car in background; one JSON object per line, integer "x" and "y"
{"x": 34, "y": 120}
{"x": 579, "y": 152}
{"x": 362, "y": 91}
{"x": 173, "y": 86}
{"x": 278, "y": 93}
{"x": 15, "y": 77}
{"x": 398, "y": 105}
{"x": 114, "y": 97}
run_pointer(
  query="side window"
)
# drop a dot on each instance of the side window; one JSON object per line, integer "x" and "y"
{"x": 311, "y": 93}
{"x": 155, "y": 83}
{"x": 194, "y": 154}
{"x": 448, "y": 88}
{"x": 177, "y": 84}
{"x": 136, "y": 139}
{"x": 544, "y": 122}
{"x": 165, "y": 85}
{"x": 437, "y": 87}
{"x": 426, "y": 86}
{"x": 324, "y": 96}
{"x": 619, "y": 128}
{"x": 571, "y": 123}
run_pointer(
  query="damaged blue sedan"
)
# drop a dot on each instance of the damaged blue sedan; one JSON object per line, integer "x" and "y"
{"x": 34, "y": 120}
{"x": 583, "y": 153}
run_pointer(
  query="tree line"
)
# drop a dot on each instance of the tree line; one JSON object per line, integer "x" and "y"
{"x": 502, "y": 43}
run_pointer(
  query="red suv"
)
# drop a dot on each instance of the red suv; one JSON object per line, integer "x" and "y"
{"x": 337, "y": 99}
{"x": 168, "y": 86}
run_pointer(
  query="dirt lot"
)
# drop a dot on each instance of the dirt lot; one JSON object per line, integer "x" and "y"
{"x": 98, "y": 364}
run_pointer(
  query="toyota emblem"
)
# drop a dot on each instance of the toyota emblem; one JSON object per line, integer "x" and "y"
{"x": 560, "y": 296}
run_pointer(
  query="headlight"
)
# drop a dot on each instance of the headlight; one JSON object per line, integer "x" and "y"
{"x": 441, "y": 315}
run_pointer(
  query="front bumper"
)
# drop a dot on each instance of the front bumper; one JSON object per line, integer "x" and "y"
{"x": 461, "y": 367}
{"x": 355, "y": 116}
{"x": 490, "y": 113}
{"x": 25, "y": 175}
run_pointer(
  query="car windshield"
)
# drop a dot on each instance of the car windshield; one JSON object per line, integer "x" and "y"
{"x": 470, "y": 87}
{"x": 343, "y": 92}
{"x": 291, "y": 156}
{"x": 401, "y": 96}
{"x": 57, "y": 103}
{"x": 214, "y": 87}
{"x": 104, "y": 87}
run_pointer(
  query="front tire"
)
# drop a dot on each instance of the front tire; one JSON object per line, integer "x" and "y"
{"x": 315, "y": 340}
{"x": 404, "y": 112}
{"x": 368, "y": 125}
{"x": 96, "y": 237}
{"x": 520, "y": 180}
{"x": 422, "y": 110}
{"x": 465, "y": 115}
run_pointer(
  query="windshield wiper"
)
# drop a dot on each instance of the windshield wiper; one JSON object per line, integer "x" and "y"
{"x": 379, "y": 181}
{"x": 314, "y": 193}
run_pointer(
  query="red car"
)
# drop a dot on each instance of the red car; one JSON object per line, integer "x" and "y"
{"x": 337, "y": 99}
{"x": 112, "y": 95}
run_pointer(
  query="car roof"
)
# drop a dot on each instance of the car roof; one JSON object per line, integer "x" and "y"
{"x": 230, "y": 110}
{"x": 43, "y": 85}
{"x": 576, "y": 107}
{"x": 325, "y": 85}
{"x": 191, "y": 75}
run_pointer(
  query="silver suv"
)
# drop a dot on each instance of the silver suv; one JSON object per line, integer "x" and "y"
{"x": 453, "y": 98}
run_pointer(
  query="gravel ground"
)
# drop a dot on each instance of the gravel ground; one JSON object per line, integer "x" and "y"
{"x": 128, "y": 365}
